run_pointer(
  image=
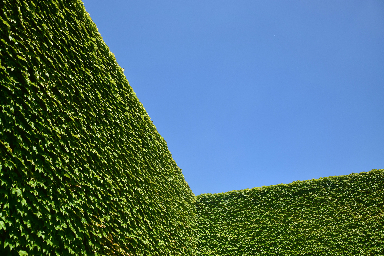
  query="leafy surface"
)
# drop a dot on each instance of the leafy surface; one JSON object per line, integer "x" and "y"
{"x": 83, "y": 170}
{"x": 342, "y": 215}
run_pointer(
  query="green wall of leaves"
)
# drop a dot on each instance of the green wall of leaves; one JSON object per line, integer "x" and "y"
{"x": 83, "y": 170}
{"x": 341, "y": 215}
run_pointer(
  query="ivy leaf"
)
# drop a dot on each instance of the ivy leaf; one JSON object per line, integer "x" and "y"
{"x": 22, "y": 253}
{"x": 2, "y": 225}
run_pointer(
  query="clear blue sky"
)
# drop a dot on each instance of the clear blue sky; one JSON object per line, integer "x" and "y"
{"x": 255, "y": 93}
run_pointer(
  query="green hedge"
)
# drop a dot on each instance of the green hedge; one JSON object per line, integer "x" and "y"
{"x": 342, "y": 215}
{"x": 83, "y": 170}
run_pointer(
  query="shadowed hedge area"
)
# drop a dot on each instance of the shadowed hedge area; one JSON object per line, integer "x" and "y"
{"x": 83, "y": 170}
{"x": 341, "y": 215}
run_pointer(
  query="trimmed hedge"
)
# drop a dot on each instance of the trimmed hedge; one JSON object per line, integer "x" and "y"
{"x": 83, "y": 170}
{"x": 341, "y": 215}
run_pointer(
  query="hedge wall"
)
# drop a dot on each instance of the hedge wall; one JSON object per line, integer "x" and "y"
{"x": 342, "y": 215}
{"x": 83, "y": 170}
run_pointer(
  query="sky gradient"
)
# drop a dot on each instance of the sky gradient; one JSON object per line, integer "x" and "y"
{"x": 255, "y": 93}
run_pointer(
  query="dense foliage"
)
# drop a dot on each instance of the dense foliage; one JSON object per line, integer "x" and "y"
{"x": 83, "y": 170}
{"x": 342, "y": 215}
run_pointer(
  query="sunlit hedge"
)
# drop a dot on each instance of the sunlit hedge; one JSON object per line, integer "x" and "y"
{"x": 342, "y": 215}
{"x": 83, "y": 170}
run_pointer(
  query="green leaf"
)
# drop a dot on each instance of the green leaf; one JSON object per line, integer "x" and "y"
{"x": 6, "y": 23}
{"x": 2, "y": 225}
{"x": 22, "y": 253}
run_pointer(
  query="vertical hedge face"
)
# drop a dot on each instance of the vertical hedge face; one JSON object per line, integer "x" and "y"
{"x": 342, "y": 215}
{"x": 83, "y": 169}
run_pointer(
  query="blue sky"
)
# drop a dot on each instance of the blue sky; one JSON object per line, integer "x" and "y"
{"x": 255, "y": 93}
